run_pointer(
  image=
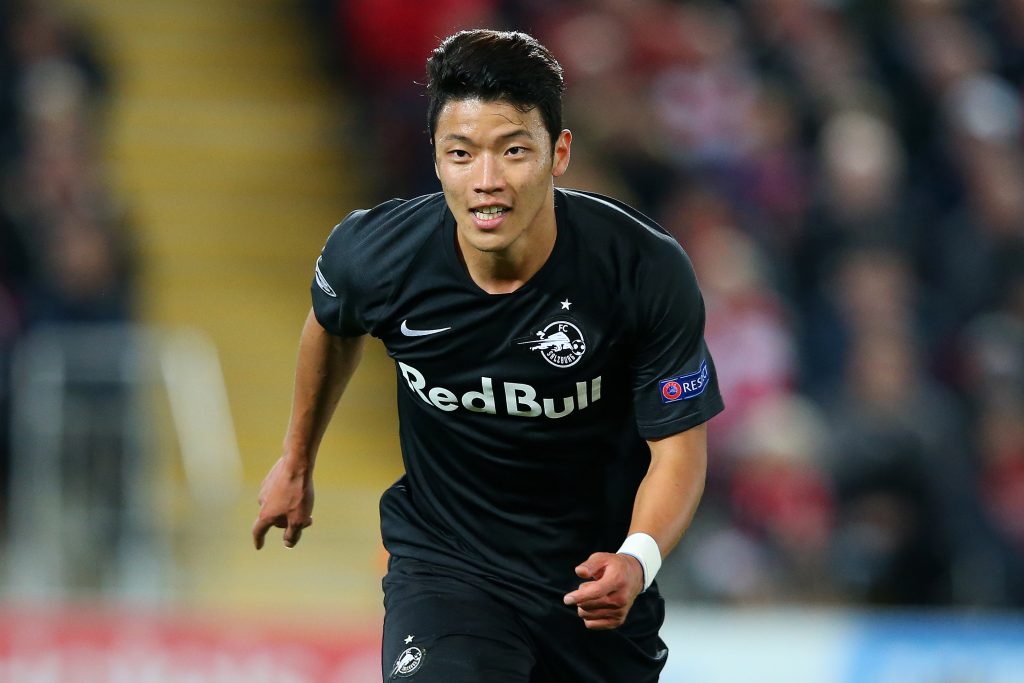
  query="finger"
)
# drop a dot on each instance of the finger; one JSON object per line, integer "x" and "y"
{"x": 602, "y": 624}
{"x": 259, "y": 531}
{"x": 601, "y": 615}
{"x": 606, "y": 612}
{"x": 612, "y": 600}
{"x": 294, "y": 532}
{"x": 591, "y": 568}
{"x": 586, "y": 593}
{"x": 615, "y": 616}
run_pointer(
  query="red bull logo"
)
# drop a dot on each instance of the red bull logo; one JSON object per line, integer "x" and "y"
{"x": 519, "y": 400}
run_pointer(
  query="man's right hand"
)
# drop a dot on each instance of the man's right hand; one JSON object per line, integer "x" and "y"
{"x": 286, "y": 502}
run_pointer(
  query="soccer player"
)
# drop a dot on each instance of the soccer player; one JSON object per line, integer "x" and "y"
{"x": 553, "y": 385}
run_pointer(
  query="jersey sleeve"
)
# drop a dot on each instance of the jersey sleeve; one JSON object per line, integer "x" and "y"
{"x": 675, "y": 386}
{"x": 342, "y": 296}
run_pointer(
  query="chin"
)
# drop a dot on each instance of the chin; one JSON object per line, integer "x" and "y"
{"x": 486, "y": 241}
{"x": 489, "y": 243}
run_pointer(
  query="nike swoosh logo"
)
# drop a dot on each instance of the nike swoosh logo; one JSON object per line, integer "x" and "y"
{"x": 409, "y": 332}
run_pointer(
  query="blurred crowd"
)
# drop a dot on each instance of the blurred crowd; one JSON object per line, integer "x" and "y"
{"x": 847, "y": 176}
{"x": 848, "y": 179}
{"x": 63, "y": 251}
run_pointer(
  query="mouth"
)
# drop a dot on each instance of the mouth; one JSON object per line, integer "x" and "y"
{"x": 486, "y": 214}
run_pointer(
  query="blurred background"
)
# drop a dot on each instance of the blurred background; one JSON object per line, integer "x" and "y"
{"x": 847, "y": 176}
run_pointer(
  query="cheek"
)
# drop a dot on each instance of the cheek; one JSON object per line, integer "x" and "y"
{"x": 451, "y": 179}
{"x": 540, "y": 179}
{"x": 535, "y": 174}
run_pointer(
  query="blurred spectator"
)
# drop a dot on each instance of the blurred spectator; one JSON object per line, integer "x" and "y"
{"x": 900, "y": 453}
{"x": 50, "y": 66}
{"x": 63, "y": 255}
{"x": 1001, "y": 447}
{"x": 702, "y": 99}
{"x": 781, "y": 495}
{"x": 1004, "y": 20}
{"x": 746, "y": 323}
{"x": 772, "y": 178}
{"x": 992, "y": 349}
{"x": 386, "y": 71}
{"x": 861, "y": 171}
{"x": 975, "y": 250}
{"x": 868, "y": 289}
{"x": 1001, "y": 436}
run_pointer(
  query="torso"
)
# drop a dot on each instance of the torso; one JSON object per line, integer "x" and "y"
{"x": 517, "y": 423}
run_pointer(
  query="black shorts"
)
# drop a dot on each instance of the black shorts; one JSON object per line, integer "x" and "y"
{"x": 443, "y": 626}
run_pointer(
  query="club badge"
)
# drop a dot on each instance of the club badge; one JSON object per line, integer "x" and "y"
{"x": 560, "y": 343}
{"x": 408, "y": 663}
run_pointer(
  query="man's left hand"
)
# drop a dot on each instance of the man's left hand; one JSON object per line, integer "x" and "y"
{"x": 613, "y": 582}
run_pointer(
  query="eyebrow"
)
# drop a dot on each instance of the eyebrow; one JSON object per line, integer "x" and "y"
{"x": 455, "y": 137}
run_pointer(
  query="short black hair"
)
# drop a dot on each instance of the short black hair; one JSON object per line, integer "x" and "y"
{"x": 495, "y": 65}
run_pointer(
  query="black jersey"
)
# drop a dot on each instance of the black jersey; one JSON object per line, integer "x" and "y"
{"x": 522, "y": 415}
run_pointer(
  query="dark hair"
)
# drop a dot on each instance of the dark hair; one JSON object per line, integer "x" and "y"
{"x": 495, "y": 65}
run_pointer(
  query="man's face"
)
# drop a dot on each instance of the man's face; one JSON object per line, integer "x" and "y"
{"x": 496, "y": 165}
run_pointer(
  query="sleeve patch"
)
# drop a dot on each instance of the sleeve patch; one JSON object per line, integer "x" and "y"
{"x": 685, "y": 387}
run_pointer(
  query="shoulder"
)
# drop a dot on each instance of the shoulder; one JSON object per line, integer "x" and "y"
{"x": 368, "y": 254}
{"x": 383, "y": 237}
{"x": 605, "y": 217}
{"x": 611, "y": 228}
{"x": 404, "y": 220}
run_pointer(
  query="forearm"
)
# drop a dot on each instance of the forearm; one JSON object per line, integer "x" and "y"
{"x": 670, "y": 492}
{"x": 324, "y": 367}
{"x": 665, "y": 503}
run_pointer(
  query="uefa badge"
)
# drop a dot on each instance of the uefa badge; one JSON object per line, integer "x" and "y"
{"x": 671, "y": 390}
{"x": 684, "y": 387}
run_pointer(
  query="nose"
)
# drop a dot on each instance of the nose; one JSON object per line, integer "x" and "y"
{"x": 490, "y": 176}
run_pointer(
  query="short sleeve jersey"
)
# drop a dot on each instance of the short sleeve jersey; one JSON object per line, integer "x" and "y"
{"x": 522, "y": 415}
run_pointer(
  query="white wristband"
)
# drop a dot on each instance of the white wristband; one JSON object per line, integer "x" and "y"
{"x": 645, "y": 550}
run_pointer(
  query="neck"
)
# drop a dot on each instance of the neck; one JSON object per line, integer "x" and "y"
{"x": 505, "y": 271}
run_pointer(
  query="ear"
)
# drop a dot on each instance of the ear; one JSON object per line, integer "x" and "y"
{"x": 560, "y": 161}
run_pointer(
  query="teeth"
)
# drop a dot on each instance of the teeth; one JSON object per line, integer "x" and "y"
{"x": 488, "y": 212}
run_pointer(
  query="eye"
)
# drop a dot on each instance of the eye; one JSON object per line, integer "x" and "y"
{"x": 458, "y": 154}
{"x": 516, "y": 151}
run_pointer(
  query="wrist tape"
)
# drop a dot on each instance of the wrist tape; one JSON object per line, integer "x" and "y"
{"x": 645, "y": 550}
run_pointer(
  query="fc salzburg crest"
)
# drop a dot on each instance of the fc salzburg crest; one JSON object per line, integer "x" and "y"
{"x": 408, "y": 662}
{"x": 560, "y": 343}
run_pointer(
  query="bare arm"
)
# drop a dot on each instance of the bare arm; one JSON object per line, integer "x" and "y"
{"x": 324, "y": 367}
{"x": 664, "y": 506}
{"x": 668, "y": 496}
